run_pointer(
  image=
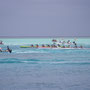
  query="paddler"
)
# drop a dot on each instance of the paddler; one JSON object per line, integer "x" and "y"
{"x": 68, "y": 46}
{"x": 68, "y": 42}
{"x": 54, "y": 41}
{"x": 0, "y": 49}
{"x": 75, "y": 44}
{"x": 63, "y": 46}
{"x": 81, "y": 46}
{"x": 32, "y": 45}
{"x": 37, "y": 45}
{"x": 43, "y": 45}
{"x": 59, "y": 45}
{"x": 48, "y": 45}
{"x": 8, "y": 49}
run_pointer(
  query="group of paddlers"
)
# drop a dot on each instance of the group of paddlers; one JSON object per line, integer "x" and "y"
{"x": 56, "y": 44}
{"x": 66, "y": 44}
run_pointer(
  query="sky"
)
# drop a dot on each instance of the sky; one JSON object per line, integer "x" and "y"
{"x": 44, "y": 17}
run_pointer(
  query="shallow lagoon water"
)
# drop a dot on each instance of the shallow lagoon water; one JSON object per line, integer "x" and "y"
{"x": 44, "y": 69}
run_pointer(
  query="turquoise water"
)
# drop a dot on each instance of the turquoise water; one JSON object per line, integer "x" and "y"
{"x": 44, "y": 69}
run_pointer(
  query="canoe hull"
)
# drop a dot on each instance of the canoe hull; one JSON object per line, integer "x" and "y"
{"x": 50, "y": 47}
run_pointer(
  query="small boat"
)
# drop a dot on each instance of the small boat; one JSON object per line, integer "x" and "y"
{"x": 7, "y": 50}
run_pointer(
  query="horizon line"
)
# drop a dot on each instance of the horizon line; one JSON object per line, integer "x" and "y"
{"x": 38, "y": 36}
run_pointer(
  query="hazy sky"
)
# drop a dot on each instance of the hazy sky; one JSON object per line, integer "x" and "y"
{"x": 44, "y": 17}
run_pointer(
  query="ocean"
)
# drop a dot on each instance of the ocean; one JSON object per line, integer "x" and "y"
{"x": 44, "y": 69}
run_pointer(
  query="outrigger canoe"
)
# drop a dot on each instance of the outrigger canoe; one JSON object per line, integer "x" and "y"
{"x": 36, "y": 47}
{"x": 28, "y": 47}
{"x": 40, "y": 47}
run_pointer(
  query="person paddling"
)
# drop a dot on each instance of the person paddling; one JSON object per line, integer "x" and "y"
{"x": 75, "y": 44}
{"x": 0, "y": 49}
{"x": 9, "y": 50}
